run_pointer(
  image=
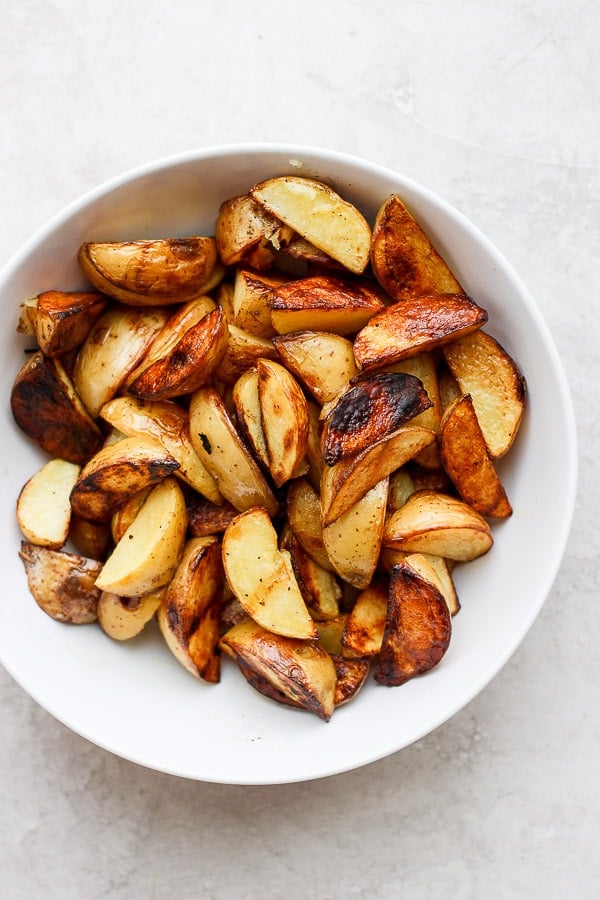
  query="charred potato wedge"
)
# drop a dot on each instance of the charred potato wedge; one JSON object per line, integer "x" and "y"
{"x": 46, "y": 408}
{"x": 262, "y": 578}
{"x": 343, "y": 484}
{"x": 246, "y": 233}
{"x": 151, "y": 273}
{"x": 301, "y": 671}
{"x": 146, "y": 557}
{"x": 123, "y": 618}
{"x": 403, "y": 259}
{"x": 189, "y": 613}
{"x": 353, "y": 541}
{"x": 219, "y": 446}
{"x": 284, "y": 418}
{"x": 43, "y": 507}
{"x": 484, "y": 369}
{"x": 169, "y": 424}
{"x": 323, "y": 362}
{"x": 329, "y": 303}
{"x": 116, "y": 473}
{"x": 410, "y": 327}
{"x": 62, "y": 320}
{"x": 466, "y": 459}
{"x": 434, "y": 523}
{"x": 320, "y": 215}
{"x": 111, "y": 351}
{"x": 417, "y": 630}
{"x": 372, "y": 408}
{"x": 62, "y": 584}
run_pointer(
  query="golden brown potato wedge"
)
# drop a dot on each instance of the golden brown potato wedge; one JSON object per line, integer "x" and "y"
{"x": 328, "y": 303}
{"x": 124, "y": 516}
{"x": 343, "y": 484}
{"x": 314, "y": 454}
{"x": 414, "y": 326}
{"x": 47, "y": 409}
{"x": 62, "y": 584}
{"x": 147, "y": 555}
{"x": 169, "y": 424}
{"x": 435, "y": 569}
{"x": 43, "y": 507}
{"x": 400, "y": 489}
{"x": 246, "y": 403}
{"x": 402, "y": 257}
{"x": 302, "y": 250}
{"x": 484, "y": 369}
{"x": 320, "y": 215}
{"x": 262, "y": 578}
{"x": 189, "y": 613}
{"x": 123, "y": 618}
{"x": 323, "y": 362}
{"x": 423, "y": 367}
{"x": 206, "y": 518}
{"x": 151, "y": 273}
{"x": 373, "y": 407}
{"x": 242, "y": 351}
{"x": 246, "y": 233}
{"x": 111, "y": 351}
{"x": 466, "y": 459}
{"x": 187, "y": 363}
{"x": 91, "y": 539}
{"x": 351, "y": 676}
{"x": 417, "y": 631}
{"x": 301, "y": 670}
{"x": 303, "y": 507}
{"x": 318, "y": 586}
{"x": 365, "y": 625}
{"x": 284, "y": 417}
{"x": 448, "y": 387}
{"x": 62, "y": 320}
{"x": 116, "y": 473}
{"x": 353, "y": 541}
{"x": 435, "y": 523}
{"x": 219, "y": 446}
{"x": 330, "y": 633}
{"x": 251, "y": 295}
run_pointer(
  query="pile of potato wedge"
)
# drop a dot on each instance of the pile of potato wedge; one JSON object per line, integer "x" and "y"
{"x": 277, "y": 441}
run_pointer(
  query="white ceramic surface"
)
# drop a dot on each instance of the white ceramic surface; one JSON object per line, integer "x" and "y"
{"x": 134, "y": 699}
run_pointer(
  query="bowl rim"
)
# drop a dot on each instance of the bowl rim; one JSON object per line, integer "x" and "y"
{"x": 570, "y": 472}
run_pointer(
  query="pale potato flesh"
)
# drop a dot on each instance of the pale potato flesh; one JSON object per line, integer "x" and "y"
{"x": 123, "y": 618}
{"x": 284, "y": 417}
{"x": 43, "y": 507}
{"x": 323, "y": 362}
{"x": 353, "y": 540}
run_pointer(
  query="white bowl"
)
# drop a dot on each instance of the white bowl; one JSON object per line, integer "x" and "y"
{"x": 134, "y": 699}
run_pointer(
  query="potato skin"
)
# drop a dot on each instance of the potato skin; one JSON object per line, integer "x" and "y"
{"x": 62, "y": 584}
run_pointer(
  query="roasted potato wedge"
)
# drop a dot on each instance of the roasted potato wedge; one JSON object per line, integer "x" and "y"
{"x": 435, "y": 523}
{"x": 262, "y": 578}
{"x": 353, "y": 541}
{"x": 466, "y": 459}
{"x": 189, "y": 613}
{"x": 43, "y": 507}
{"x": 423, "y": 367}
{"x": 116, "y": 473}
{"x": 323, "y": 362}
{"x": 123, "y": 618}
{"x": 243, "y": 351}
{"x": 284, "y": 418}
{"x": 251, "y": 294}
{"x": 124, "y": 516}
{"x": 318, "y": 586}
{"x": 46, "y": 408}
{"x": 111, "y": 351}
{"x": 364, "y": 627}
{"x": 351, "y": 675}
{"x": 206, "y": 518}
{"x": 152, "y": 273}
{"x": 219, "y": 446}
{"x": 303, "y": 507}
{"x": 301, "y": 670}
{"x": 169, "y": 424}
{"x": 91, "y": 539}
{"x": 246, "y": 403}
{"x": 186, "y": 363}
{"x": 343, "y": 484}
{"x": 246, "y": 233}
{"x": 320, "y": 215}
{"x": 403, "y": 259}
{"x": 434, "y": 569}
{"x": 410, "y": 327}
{"x": 62, "y": 320}
{"x": 484, "y": 369}
{"x": 62, "y": 584}
{"x": 417, "y": 631}
{"x": 147, "y": 555}
{"x": 329, "y": 303}
{"x": 373, "y": 407}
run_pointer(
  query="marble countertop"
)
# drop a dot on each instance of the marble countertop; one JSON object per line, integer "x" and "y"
{"x": 495, "y": 107}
